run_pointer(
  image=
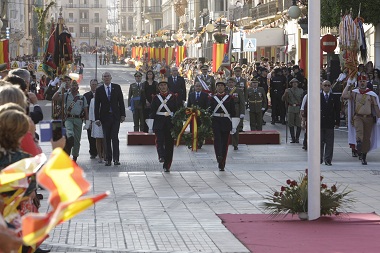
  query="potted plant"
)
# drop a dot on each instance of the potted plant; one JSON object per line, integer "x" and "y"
{"x": 220, "y": 37}
{"x": 292, "y": 199}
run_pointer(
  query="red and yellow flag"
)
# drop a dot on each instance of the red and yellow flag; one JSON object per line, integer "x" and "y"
{"x": 180, "y": 54}
{"x": 4, "y": 53}
{"x": 219, "y": 51}
{"x": 304, "y": 56}
{"x": 63, "y": 178}
{"x": 36, "y": 227}
{"x": 169, "y": 54}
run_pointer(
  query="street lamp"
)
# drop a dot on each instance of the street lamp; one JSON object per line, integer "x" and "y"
{"x": 294, "y": 11}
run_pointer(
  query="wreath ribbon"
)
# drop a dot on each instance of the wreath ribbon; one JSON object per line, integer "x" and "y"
{"x": 193, "y": 114}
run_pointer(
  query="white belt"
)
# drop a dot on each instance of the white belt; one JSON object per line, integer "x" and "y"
{"x": 166, "y": 114}
{"x": 221, "y": 115}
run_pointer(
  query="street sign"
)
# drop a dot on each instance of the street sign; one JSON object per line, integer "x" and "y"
{"x": 249, "y": 45}
{"x": 328, "y": 43}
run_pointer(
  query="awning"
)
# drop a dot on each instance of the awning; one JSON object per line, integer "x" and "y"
{"x": 268, "y": 37}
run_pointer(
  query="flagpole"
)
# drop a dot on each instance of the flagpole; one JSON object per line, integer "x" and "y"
{"x": 96, "y": 56}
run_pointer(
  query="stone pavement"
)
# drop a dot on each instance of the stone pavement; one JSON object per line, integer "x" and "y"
{"x": 152, "y": 211}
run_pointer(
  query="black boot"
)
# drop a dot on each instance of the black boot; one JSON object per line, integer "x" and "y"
{"x": 291, "y": 130}
{"x": 359, "y": 146}
{"x": 69, "y": 145}
{"x": 354, "y": 153}
{"x": 298, "y": 135}
{"x": 364, "y": 159}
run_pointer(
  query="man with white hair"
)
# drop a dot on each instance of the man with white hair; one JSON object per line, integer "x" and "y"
{"x": 177, "y": 85}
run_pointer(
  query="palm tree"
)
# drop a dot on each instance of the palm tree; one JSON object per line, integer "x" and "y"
{"x": 41, "y": 26}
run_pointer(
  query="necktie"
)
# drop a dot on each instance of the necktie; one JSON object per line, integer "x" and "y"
{"x": 197, "y": 97}
{"x": 108, "y": 93}
{"x": 326, "y": 98}
{"x": 175, "y": 79}
{"x": 204, "y": 77}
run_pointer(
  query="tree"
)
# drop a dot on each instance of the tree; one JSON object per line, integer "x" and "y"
{"x": 41, "y": 15}
{"x": 331, "y": 11}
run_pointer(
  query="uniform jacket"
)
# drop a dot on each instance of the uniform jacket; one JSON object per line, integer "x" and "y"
{"x": 294, "y": 99}
{"x": 179, "y": 87}
{"x": 103, "y": 105}
{"x": 238, "y": 98}
{"x": 135, "y": 95}
{"x": 202, "y": 102}
{"x": 242, "y": 85}
{"x": 330, "y": 111}
{"x": 161, "y": 121}
{"x": 222, "y": 123}
{"x": 256, "y": 99}
{"x": 209, "y": 80}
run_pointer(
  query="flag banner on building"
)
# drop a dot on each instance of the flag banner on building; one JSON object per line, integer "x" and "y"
{"x": 180, "y": 54}
{"x": 219, "y": 52}
{"x": 48, "y": 64}
{"x": 63, "y": 178}
{"x": 151, "y": 53}
{"x": 304, "y": 56}
{"x": 133, "y": 52}
{"x": 4, "y": 53}
{"x": 162, "y": 53}
{"x": 36, "y": 227}
{"x": 169, "y": 54}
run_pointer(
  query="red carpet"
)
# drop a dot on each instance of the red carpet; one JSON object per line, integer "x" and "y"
{"x": 359, "y": 233}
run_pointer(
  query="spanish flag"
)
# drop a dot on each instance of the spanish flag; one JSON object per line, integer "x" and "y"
{"x": 134, "y": 52}
{"x": 63, "y": 178}
{"x": 180, "y": 54}
{"x": 169, "y": 54}
{"x": 4, "y": 53}
{"x": 21, "y": 169}
{"x": 219, "y": 51}
{"x": 36, "y": 227}
{"x": 304, "y": 56}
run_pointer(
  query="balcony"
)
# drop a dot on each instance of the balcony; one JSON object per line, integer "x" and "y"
{"x": 81, "y": 6}
{"x": 70, "y": 20}
{"x": 261, "y": 12}
{"x": 152, "y": 12}
{"x": 85, "y": 35}
{"x": 84, "y": 20}
{"x": 97, "y": 20}
{"x": 96, "y": 6}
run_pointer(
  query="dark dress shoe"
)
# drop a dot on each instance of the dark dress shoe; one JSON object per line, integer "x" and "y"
{"x": 75, "y": 158}
{"x": 93, "y": 157}
{"x": 221, "y": 166}
{"x": 108, "y": 163}
{"x": 161, "y": 160}
{"x": 354, "y": 153}
{"x": 199, "y": 146}
{"x": 116, "y": 163}
{"x": 264, "y": 123}
{"x": 39, "y": 250}
{"x": 219, "y": 159}
{"x": 236, "y": 148}
{"x": 328, "y": 163}
{"x": 272, "y": 122}
{"x": 293, "y": 141}
{"x": 166, "y": 169}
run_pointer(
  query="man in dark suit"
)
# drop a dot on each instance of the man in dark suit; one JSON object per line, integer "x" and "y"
{"x": 177, "y": 85}
{"x": 330, "y": 118}
{"x": 198, "y": 97}
{"x": 89, "y": 95}
{"x": 109, "y": 113}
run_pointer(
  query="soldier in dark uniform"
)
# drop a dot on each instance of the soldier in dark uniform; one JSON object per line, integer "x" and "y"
{"x": 207, "y": 81}
{"x": 222, "y": 107}
{"x": 301, "y": 79}
{"x": 135, "y": 103}
{"x": 163, "y": 107}
{"x": 257, "y": 102}
{"x": 238, "y": 97}
{"x": 277, "y": 88}
{"x": 241, "y": 83}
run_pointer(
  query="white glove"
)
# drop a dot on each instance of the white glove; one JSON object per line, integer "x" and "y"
{"x": 263, "y": 109}
{"x": 233, "y": 131}
{"x": 129, "y": 108}
{"x": 87, "y": 125}
{"x": 62, "y": 87}
{"x": 248, "y": 109}
{"x": 378, "y": 121}
{"x": 242, "y": 116}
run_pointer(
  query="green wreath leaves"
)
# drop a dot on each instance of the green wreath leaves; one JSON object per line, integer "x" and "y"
{"x": 204, "y": 128}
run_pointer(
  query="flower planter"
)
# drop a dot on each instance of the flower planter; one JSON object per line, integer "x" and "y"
{"x": 220, "y": 37}
{"x": 180, "y": 43}
{"x": 170, "y": 43}
{"x": 303, "y": 216}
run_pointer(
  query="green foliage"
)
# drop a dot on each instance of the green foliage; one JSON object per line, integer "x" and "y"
{"x": 292, "y": 199}
{"x": 41, "y": 15}
{"x": 204, "y": 129}
{"x": 331, "y": 11}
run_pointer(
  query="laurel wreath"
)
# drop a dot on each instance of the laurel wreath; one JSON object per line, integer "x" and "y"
{"x": 204, "y": 129}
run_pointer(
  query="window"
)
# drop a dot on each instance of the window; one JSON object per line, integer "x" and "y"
{"x": 130, "y": 5}
{"x": 130, "y": 23}
{"x": 157, "y": 24}
{"x": 71, "y": 16}
{"x": 96, "y": 18}
{"x": 97, "y": 31}
{"x": 71, "y": 29}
